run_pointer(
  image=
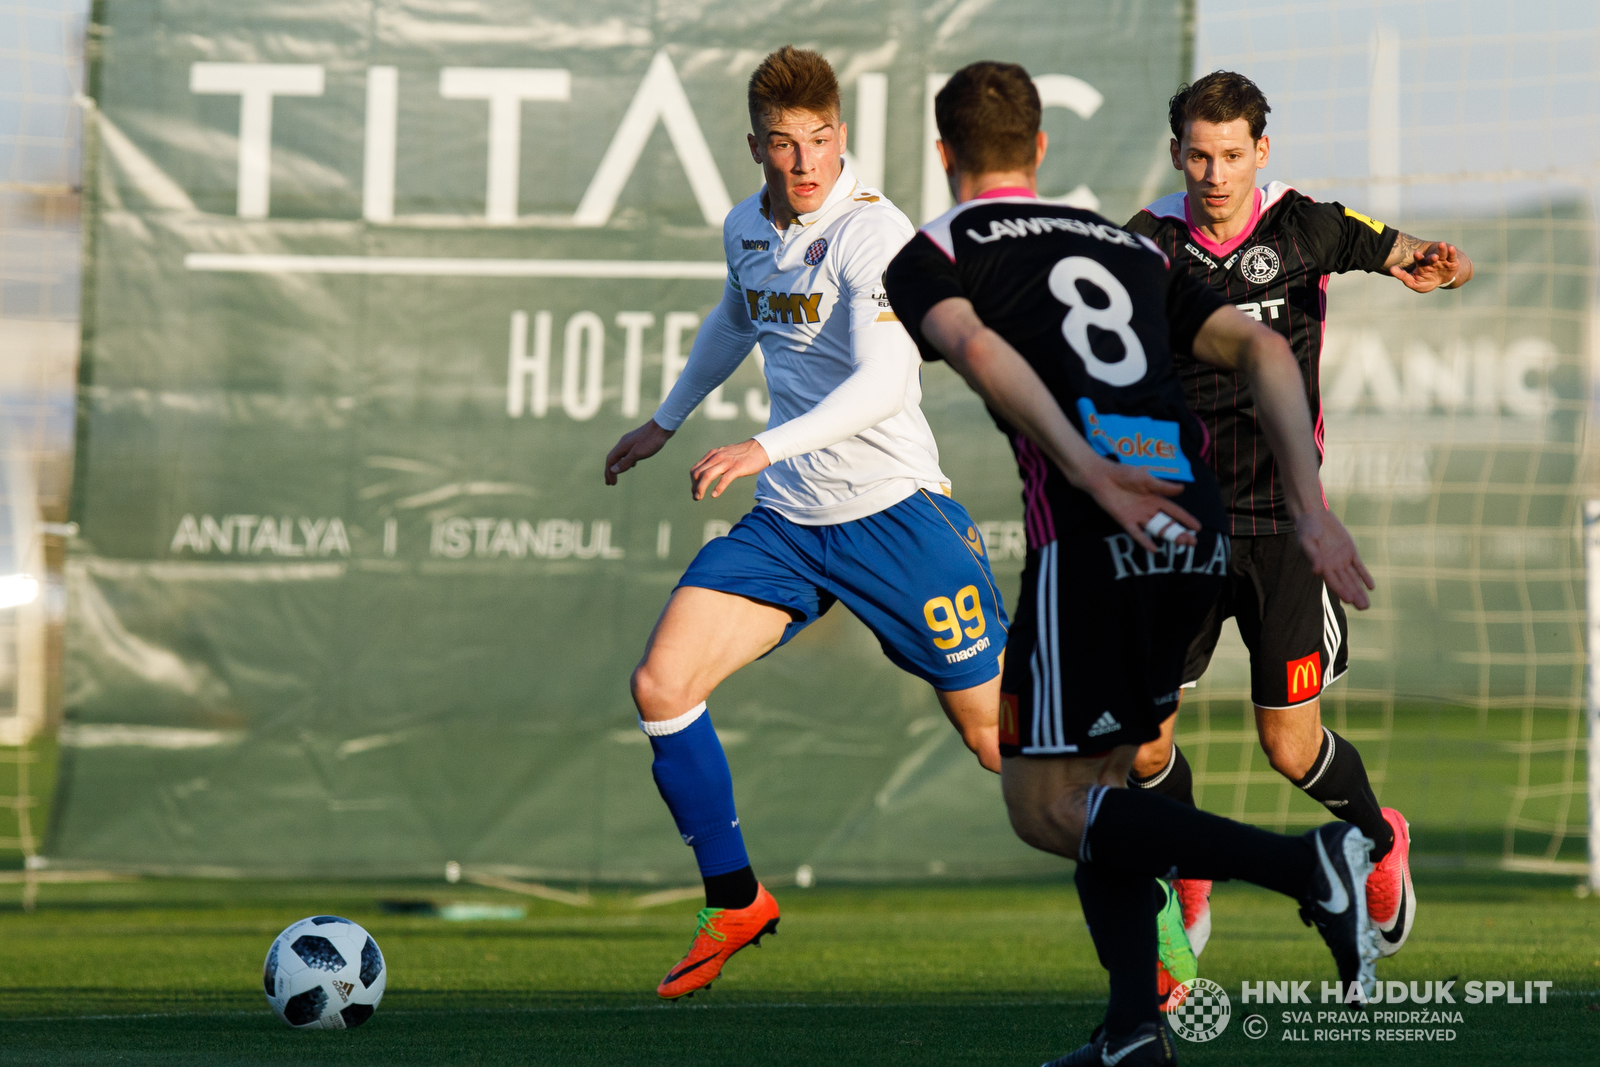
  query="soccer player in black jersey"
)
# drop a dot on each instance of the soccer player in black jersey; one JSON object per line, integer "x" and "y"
{"x": 1269, "y": 252}
{"x": 1065, "y": 325}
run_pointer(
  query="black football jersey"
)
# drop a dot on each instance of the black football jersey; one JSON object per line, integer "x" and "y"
{"x": 1277, "y": 272}
{"x": 1097, "y": 312}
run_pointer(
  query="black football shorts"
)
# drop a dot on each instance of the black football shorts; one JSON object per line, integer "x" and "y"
{"x": 1294, "y": 628}
{"x": 1096, "y": 650}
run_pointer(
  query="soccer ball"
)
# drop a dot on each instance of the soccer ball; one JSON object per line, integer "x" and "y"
{"x": 324, "y": 973}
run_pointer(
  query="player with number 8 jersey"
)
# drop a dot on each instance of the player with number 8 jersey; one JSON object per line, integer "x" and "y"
{"x": 1097, "y": 312}
{"x": 1066, "y": 325}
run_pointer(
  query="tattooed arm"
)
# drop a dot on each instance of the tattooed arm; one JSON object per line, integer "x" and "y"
{"x": 1428, "y": 265}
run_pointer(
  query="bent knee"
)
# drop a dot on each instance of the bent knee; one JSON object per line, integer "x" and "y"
{"x": 1288, "y": 754}
{"x": 1152, "y": 757}
{"x": 656, "y": 693}
{"x": 1054, "y": 826}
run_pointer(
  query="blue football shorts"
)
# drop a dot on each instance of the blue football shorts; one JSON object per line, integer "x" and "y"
{"x": 917, "y": 574}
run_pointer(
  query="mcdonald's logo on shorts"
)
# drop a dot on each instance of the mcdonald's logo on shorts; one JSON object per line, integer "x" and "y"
{"x": 1305, "y": 677}
{"x": 1008, "y": 719}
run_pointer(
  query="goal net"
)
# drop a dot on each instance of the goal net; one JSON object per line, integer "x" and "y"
{"x": 1456, "y": 423}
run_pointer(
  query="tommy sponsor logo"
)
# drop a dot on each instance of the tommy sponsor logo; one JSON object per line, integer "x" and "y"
{"x": 754, "y": 245}
{"x": 1259, "y": 264}
{"x": 1201, "y": 256}
{"x": 999, "y": 228}
{"x": 816, "y": 251}
{"x": 767, "y": 306}
{"x": 1166, "y": 559}
{"x": 1305, "y": 677}
{"x": 1105, "y": 724}
{"x": 1009, "y": 728}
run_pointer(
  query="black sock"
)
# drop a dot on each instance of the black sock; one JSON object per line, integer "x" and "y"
{"x": 1338, "y": 781}
{"x": 1175, "y": 780}
{"x": 1149, "y": 834}
{"x": 736, "y": 889}
{"x": 1121, "y": 911}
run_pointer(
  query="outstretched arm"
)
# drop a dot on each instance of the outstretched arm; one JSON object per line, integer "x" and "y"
{"x": 1231, "y": 340}
{"x": 999, "y": 374}
{"x": 884, "y": 360}
{"x": 724, "y": 340}
{"x": 1428, "y": 265}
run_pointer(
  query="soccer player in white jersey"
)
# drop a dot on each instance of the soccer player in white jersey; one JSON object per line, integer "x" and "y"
{"x": 850, "y": 502}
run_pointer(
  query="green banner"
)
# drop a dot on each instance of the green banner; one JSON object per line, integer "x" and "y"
{"x": 373, "y": 289}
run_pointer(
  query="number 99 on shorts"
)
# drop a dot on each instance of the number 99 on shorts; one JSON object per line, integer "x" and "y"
{"x": 951, "y": 619}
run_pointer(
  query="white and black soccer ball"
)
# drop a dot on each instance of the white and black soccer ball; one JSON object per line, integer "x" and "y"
{"x": 324, "y": 973}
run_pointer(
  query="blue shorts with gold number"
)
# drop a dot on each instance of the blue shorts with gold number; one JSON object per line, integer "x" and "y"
{"x": 917, "y": 574}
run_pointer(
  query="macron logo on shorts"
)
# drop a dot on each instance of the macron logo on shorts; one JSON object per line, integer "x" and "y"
{"x": 1305, "y": 677}
{"x": 1105, "y": 724}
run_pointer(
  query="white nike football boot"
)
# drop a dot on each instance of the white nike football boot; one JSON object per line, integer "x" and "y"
{"x": 1148, "y": 1046}
{"x": 1337, "y": 902}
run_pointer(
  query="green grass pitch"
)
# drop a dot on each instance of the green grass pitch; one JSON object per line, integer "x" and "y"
{"x": 169, "y": 973}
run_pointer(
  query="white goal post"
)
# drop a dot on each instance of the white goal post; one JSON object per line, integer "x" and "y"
{"x": 1591, "y": 560}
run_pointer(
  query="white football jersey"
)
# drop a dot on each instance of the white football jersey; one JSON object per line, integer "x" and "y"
{"x": 806, "y": 289}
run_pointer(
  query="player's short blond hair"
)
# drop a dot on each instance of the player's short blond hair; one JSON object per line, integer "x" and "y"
{"x": 792, "y": 79}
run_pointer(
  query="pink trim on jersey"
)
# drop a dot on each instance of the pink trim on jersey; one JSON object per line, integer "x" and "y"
{"x": 1322, "y": 341}
{"x": 1322, "y": 314}
{"x": 1211, "y": 246}
{"x": 1007, "y": 190}
{"x": 1205, "y": 439}
{"x": 1041, "y": 525}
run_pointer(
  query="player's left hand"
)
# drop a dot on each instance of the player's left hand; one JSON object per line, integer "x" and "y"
{"x": 1332, "y": 552}
{"x": 1133, "y": 496}
{"x": 727, "y": 463}
{"x": 1425, "y": 273}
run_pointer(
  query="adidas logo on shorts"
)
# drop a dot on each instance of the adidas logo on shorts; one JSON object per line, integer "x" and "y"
{"x": 1105, "y": 724}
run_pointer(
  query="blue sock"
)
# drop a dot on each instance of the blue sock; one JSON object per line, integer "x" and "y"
{"x": 692, "y": 774}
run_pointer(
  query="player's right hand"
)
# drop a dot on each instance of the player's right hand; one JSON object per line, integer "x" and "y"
{"x": 1133, "y": 496}
{"x": 1332, "y": 552}
{"x": 636, "y": 445}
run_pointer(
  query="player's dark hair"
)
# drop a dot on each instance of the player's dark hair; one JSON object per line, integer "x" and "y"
{"x": 988, "y": 115}
{"x": 792, "y": 79}
{"x": 1219, "y": 97}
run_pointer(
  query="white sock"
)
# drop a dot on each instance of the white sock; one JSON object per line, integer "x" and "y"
{"x": 672, "y": 726}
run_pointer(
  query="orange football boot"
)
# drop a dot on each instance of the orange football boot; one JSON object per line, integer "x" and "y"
{"x": 722, "y": 932}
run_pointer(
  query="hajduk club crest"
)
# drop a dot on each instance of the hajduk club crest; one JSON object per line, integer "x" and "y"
{"x": 816, "y": 251}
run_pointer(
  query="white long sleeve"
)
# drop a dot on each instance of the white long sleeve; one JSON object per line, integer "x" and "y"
{"x": 845, "y": 430}
{"x": 724, "y": 340}
{"x": 885, "y": 359}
